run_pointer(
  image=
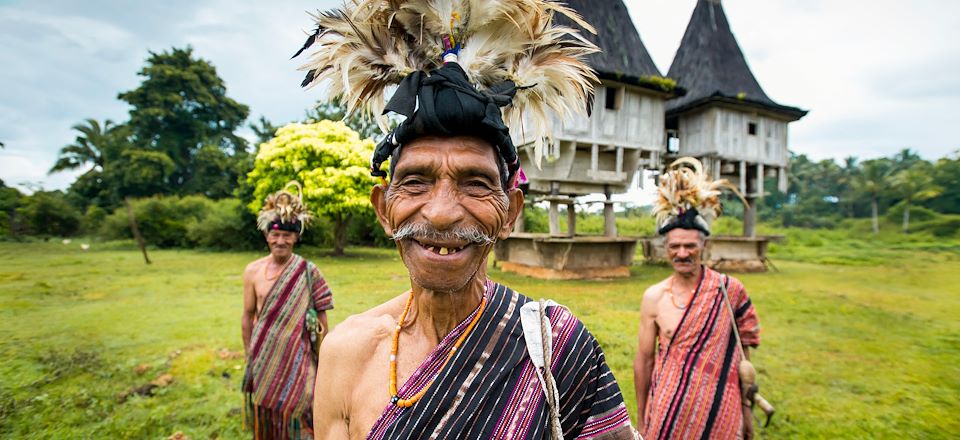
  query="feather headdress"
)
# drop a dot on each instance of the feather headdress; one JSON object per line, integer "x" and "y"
{"x": 687, "y": 198}
{"x": 284, "y": 210}
{"x": 509, "y": 50}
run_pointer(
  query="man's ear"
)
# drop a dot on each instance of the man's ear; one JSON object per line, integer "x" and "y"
{"x": 514, "y": 211}
{"x": 378, "y": 198}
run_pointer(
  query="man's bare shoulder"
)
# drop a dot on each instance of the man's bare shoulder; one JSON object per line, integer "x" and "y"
{"x": 254, "y": 266}
{"x": 655, "y": 292}
{"x": 359, "y": 335}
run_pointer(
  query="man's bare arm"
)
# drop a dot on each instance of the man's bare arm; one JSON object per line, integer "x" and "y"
{"x": 249, "y": 308}
{"x": 643, "y": 363}
{"x": 322, "y": 317}
{"x": 331, "y": 386}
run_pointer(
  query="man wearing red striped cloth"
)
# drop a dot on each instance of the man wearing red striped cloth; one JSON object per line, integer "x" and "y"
{"x": 686, "y": 367}
{"x": 285, "y": 300}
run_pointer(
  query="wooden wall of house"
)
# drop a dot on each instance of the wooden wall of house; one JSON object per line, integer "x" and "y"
{"x": 603, "y": 152}
{"x": 725, "y": 133}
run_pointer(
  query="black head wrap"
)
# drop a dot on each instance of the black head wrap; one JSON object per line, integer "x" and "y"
{"x": 689, "y": 219}
{"x": 444, "y": 103}
{"x": 280, "y": 225}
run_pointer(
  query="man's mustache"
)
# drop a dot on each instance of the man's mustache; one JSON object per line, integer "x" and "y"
{"x": 424, "y": 231}
{"x": 683, "y": 260}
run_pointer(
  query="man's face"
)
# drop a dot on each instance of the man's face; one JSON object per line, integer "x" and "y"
{"x": 684, "y": 248}
{"x": 445, "y": 206}
{"x": 281, "y": 242}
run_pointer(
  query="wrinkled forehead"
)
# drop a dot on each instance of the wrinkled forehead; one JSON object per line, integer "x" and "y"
{"x": 462, "y": 153}
{"x": 683, "y": 236}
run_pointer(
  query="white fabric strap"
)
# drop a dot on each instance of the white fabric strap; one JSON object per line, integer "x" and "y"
{"x": 536, "y": 329}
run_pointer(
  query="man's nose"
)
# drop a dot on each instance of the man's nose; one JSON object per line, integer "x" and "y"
{"x": 443, "y": 210}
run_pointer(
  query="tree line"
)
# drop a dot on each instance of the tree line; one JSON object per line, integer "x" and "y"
{"x": 177, "y": 173}
{"x": 821, "y": 193}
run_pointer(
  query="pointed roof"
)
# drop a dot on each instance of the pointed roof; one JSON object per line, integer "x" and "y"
{"x": 711, "y": 67}
{"x": 623, "y": 56}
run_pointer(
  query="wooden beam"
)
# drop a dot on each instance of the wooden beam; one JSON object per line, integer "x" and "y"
{"x": 743, "y": 178}
{"x": 595, "y": 157}
{"x": 760, "y": 177}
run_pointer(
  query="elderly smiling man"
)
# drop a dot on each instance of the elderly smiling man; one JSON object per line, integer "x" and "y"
{"x": 451, "y": 357}
{"x": 686, "y": 369}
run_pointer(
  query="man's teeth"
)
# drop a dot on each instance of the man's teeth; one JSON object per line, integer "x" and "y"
{"x": 442, "y": 250}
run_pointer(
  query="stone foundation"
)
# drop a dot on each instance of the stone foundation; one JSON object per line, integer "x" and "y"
{"x": 566, "y": 258}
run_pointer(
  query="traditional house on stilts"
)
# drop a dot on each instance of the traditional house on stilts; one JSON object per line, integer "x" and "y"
{"x": 729, "y": 123}
{"x": 596, "y": 155}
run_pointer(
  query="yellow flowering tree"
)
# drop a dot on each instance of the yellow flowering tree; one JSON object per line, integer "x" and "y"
{"x": 329, "y": 160}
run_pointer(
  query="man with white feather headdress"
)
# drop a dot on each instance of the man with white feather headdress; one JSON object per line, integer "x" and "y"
{"x": 285, "y": 303}
{"x": 690, "y": 361}
{"x": 450, "y": 358}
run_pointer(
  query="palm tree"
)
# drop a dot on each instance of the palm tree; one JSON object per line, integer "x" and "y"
{"x": 99, "y": 146}
{"x": 871, "y": 181}
{"x": 914, "y": 184}
{"x": 89, "y": 148}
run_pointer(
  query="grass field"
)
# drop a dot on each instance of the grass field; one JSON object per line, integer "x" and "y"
{"x": 859, "y": 340}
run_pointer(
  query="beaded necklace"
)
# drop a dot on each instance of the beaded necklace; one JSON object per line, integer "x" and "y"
{"x": 394, "y": 396}
{"x": 681, "y": 307}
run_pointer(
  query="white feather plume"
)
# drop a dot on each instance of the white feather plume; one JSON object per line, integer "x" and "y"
{"x": 366, "y": 46}
{"x": 683, "y": 186}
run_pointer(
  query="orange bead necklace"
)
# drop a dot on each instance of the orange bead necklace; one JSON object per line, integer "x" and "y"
{"x": 394, "y": 396}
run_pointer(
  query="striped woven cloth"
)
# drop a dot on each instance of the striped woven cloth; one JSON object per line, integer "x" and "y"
{"x": 489, "y": 389}
{"x": 695, "y": 390}
{"x": 278, "y": 382}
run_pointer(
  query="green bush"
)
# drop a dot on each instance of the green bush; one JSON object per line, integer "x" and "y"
{"x": 943, "y": 226}
{"x": 162, "y": 220}
{"x": 47, "y": 214}
{"x": 917, "y": 213}
{"x": 225, "y": 225}
{"x": 93, "y": 219}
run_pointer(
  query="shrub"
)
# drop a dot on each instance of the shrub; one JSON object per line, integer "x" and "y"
{"x": 162, "y": 220}
{"x": 917, "y": 213}
{"x": 225, "y": 225}
{"x": 47, "y": 214}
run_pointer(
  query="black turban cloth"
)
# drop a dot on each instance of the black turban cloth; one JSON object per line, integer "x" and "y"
{"x": 279, "y": 225}
{"x": 689, "y": 219}
{"x": 444, "y": 103}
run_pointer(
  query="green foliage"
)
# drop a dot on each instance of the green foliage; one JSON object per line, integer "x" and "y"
{"x": 47, "y": 214}
{"x": 187, "y": 222}
{"x": 163, "y": 220}
{"x": 329, "y": 160}
{"x": 366, "y": 127}
{"x": 946, "y": 173}
{"x": 665, "y": 84}
{"x": 225, "y": 225}
{"x": 141, "y": 173}
{"x": 895, "y": 213}
{"x": 181, "y": 109}
{"x": 9, "y": 201}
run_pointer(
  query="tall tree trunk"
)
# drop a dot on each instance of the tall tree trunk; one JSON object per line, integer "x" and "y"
{"x": 136, "y": 229}
{"x": 340, "y": 233}
{"x": 875, "y": 220}
{"x": 906, "y": 218}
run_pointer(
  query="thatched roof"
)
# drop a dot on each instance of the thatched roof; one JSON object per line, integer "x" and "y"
{"x": 623, "y": 56}
{"x": 711, "y": 67}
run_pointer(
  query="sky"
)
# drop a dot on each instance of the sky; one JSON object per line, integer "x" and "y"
{"x": 877, "y": 75}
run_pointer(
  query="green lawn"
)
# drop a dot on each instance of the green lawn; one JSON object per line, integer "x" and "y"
{"x": 867, "y": 346}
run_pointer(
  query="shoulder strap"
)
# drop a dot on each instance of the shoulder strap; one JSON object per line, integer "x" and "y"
{"x": 733, "y": 316}
{"x": 538, "y": 334}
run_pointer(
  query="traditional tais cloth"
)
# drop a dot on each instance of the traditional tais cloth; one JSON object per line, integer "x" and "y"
{"x": 489, "y": 389}
{"x": 278, "y": 382}
{"x": 695, "y": 389}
